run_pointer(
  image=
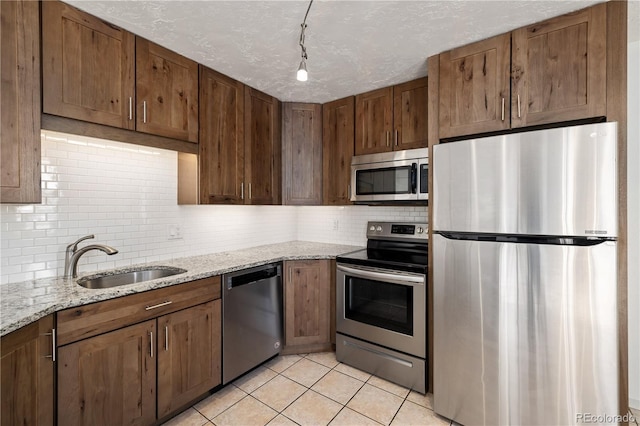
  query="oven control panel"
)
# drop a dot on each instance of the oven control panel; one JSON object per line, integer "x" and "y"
{"x": 397, "y": 230}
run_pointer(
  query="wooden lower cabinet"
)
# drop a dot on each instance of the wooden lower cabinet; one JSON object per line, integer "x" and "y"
{"x": 189, "y": 355}
{"x": 109, "y": 379}
{"x": 27, "y": 371}
{"x": 113, "y": 373}
{"x": 307, "y": 306}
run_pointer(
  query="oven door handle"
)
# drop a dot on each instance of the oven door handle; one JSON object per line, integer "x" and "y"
{"x": 395, "y": 277}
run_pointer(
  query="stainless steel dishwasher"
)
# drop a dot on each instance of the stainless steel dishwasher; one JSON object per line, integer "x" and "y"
{"x": 252, "y": 319}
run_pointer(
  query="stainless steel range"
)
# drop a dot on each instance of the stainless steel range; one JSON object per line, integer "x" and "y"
{"x": 381, "y": 298}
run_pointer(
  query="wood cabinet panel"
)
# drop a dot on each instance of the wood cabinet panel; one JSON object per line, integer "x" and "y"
{"x": 302, "y": 154}
{"x": 88, "y": 67}
{"x": 263, "y": 176}
{"x": 166, "y": 92}
{"x": 109, "y": 379}
{"x": 410, "y": 108}
{"x": 374, "y": 116}
{"x": 475, "y": 87}
{"x": 559, "y": 69}
{"x": 189, "y": 355}
{"x": 338, "y": 124}
{"x": 307, "y": 298}
{"x": 96, "y": 318}
{"x": 20, "y": 99}
{"x": 27, "y": 374}
{"x": 221, "y": 139}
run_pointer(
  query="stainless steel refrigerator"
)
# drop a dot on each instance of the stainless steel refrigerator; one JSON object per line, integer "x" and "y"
{"x": 524, "y": 267}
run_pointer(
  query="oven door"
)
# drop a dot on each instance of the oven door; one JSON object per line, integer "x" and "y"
{"x": 384, "y": 181}
{"x": 382, "y": 306}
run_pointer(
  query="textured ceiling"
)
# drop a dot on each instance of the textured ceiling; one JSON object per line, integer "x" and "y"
{"x": 353, "y": 46}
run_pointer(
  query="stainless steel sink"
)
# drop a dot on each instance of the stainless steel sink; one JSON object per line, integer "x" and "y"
{"x": 130, "y": 276}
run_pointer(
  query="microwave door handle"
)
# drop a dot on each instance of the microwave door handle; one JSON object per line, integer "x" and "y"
{"x": 414, "y": 178}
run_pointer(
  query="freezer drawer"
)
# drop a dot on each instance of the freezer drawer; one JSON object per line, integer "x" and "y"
{"x": 547, "y": 182}
{"x": 524, "y": 334}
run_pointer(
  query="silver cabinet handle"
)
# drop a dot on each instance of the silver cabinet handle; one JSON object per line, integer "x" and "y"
{"x": 387, "y": 138}
{"x": 144, "y": 111}
{"x": 396, "y": 137}
{"x": 502, "y": 109}
{"x": 159, "y": 305}
{"x": 53, "y": 344}
{"x": 130, "y": 108}
{"x": 518, "y": 105}
{"x": 348, "y": 190}
{"x": 242, "y": 191}
{"x": 151, "y": 343}
{"x": 249, "y": 190}
{"x": 166, "y": 337}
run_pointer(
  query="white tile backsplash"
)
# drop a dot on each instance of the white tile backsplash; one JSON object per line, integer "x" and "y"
{"x": 126, "y": 195}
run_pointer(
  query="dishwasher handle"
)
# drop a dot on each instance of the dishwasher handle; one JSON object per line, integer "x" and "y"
{"x": 252, "y": 277}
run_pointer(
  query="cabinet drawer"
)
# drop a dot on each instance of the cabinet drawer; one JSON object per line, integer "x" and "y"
{"x": 97, "y": 318}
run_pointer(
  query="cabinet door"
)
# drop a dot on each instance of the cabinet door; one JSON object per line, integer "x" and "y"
{"x": 474, "y": 87}
{"x": 27, "y": 373}
{"x": 337, "y": 150}
{"x": 262, "y": 148}
{"x": 374, "y": 114}
{"x": 20, "y": 99}
{"x": 88, "y": 67}
{"x": 410, "y": 101}
{"x": 189, "y": 355}
{"x": 109, "y": 379}
{"x": 221, "y": 139}
{"x": 307, "y": 295}
{"x": 559, "y": 68}
{"x": 302, "y": 154}
{"x": 166, "y": 92}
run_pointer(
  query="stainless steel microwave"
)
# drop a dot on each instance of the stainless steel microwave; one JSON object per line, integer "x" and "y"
{"x": 390, "y": 176}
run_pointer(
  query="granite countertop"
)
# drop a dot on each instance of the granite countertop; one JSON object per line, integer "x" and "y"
{"x": 25, "y": 302}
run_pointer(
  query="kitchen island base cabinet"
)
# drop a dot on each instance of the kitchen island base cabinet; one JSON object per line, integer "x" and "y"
{"x": 307, "y": 306}
{"x": 188, "y": 355}
{"x": 109, "y": 379}
{"x": 27, "y": 375}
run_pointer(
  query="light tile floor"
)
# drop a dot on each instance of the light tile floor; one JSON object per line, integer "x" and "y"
{"x": 312, "y": 389}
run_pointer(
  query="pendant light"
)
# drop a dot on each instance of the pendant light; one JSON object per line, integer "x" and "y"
{"x": 302, "y": 75}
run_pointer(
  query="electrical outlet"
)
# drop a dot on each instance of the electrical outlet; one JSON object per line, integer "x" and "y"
{"x": 174, "y": 232}
{"x": 336, "y": 224}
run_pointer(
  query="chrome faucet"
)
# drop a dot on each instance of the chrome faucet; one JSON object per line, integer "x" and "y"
{"x": 72, "y": 255}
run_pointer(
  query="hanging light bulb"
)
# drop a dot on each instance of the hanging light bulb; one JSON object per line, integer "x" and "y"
{"x": 301, "y": 75}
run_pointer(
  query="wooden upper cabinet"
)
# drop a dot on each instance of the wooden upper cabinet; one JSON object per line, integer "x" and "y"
{"x": 166, "y": 92}
{"x": 221, "y": 139}
{"x": 374, "y": 117}
{"x": 262, "y": 148}
{"x": 559, "y": 68}
{"x": 20, "y": 98}
{"x": 548, "y": 72}
{"x": 27, "y": 372}
{"x": 189, "y": 355}
{"x": 302, "y": 154}
{"x": 410, "y": 103}
{"x": 109, "y": 379}
{"x": 474, "y": 87}
{"x": 337, "y": 150}
{"x": 88, "y": 67}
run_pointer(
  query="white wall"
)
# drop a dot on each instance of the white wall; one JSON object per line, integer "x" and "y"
{"x": 633, "y": 216}
{"x": 126, "y": 196}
